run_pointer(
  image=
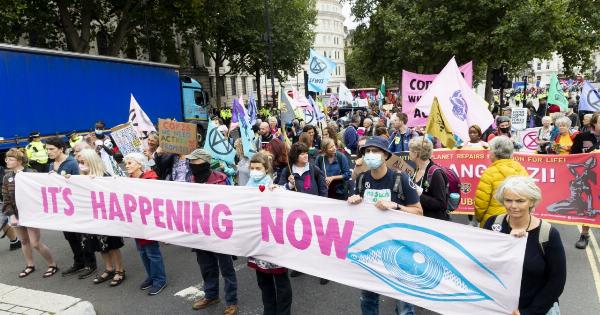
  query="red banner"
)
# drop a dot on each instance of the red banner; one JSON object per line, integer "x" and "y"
{"x": 569, "y": 183}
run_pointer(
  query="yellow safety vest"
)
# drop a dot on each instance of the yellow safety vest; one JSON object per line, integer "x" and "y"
{"x": 36, "y": 151}
{"x": 77, "y": 140}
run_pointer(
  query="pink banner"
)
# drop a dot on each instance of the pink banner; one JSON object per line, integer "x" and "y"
{"x": 414, "y": 85}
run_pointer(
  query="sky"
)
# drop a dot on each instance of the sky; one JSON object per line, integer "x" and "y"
{"x": 349, "y": 19}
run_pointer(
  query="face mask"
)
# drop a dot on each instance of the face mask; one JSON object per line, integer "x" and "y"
{"x": 257, "y": 175}
{"x": 505, "y": 130}
{"x": 373, "y": 160}
{"x": 200, "y": 172}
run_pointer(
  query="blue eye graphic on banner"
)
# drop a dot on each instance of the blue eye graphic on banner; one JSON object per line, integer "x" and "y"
{"x": 320, "y": 69}
{"x": 416, "y": 269}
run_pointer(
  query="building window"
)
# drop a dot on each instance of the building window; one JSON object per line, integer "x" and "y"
{"x": 211, "y": 85}
{"x": 222, "y": 86}
{"x": 538, "y": 78}
{"x": 539, "y": 66}
{"x": 244, "y": 87}
{"x": 548, "y": 65}
{"x": 254, "y": 85}
{"x": 233, "y": 86}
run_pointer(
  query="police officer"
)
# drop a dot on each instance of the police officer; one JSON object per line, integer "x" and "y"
{"x": 37, "y": 153}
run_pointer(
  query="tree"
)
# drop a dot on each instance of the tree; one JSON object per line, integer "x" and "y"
{"x": 422, "y": 36}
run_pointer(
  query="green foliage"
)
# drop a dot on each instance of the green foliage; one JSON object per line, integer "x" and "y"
{"x": 421, "y": 36}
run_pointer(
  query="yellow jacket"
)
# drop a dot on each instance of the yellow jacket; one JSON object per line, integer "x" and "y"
{"x": 485, "y": 203}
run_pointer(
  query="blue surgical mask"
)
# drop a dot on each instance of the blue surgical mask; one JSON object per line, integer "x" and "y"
{"x": 373, "y": 160}
{"x": 257, "y": 176}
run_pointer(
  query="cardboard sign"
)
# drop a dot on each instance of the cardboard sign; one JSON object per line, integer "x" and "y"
{"x": 177, "y": 137}
{"x": 126, "y": 139}
{"x": 518, "y": 118}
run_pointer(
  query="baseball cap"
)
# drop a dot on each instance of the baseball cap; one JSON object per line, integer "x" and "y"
{"x": 199, "y": 154}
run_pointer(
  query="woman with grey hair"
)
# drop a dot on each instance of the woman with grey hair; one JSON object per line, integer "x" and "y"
{"x": 156, "y": 280}
{"x": 430, "y": 179}
{"x": 544, "y": 135}
{"x": 503, "y": 166}
{"x": 563, "y": 140}
{"x": 544, "y": 265}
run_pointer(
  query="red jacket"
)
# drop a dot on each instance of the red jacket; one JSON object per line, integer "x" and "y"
{"x": 149, "y": 174}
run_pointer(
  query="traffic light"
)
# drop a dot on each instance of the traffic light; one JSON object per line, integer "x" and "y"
{"x": 496, "y": 78}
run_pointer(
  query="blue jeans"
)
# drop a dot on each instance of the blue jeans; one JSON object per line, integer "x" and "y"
{"x": 369, "y": 304}
{"x": 153, "y": 262}
{"x": 210, "y": 263}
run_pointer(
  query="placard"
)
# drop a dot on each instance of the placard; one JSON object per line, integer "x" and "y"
{"x": 126, "y": 139}
{"x": 518, "y": 118}
{"x": 177, "y": 137}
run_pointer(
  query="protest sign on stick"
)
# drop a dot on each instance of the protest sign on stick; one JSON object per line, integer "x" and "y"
{"x": 126, "y": 139}
{"x": 177, "y": 137}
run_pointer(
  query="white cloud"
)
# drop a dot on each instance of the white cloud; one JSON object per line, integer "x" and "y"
{"x": 349, "y": 22}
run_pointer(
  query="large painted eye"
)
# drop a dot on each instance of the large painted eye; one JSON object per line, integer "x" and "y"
{"x": 415, "y": 269}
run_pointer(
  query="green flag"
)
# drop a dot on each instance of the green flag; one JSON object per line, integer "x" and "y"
{"x": 555, "y": 94}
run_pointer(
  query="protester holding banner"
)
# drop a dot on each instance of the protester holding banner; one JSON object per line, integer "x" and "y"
{"x": 90, "y": 164}
{"x": 401, "y": 135}
{"x": 583, "y": 143}
{"x": 503, "y": 166}
{"x": 156, "y": 280}
{"x": 429, "y": 177}
{"x": 16, "y": 159}
{"x": 475, "y": 142}
{"x": 273, "y": 280}
{"x": 84, "y": 258}
{"x": 336, "y": 167}
{"x": 545, "y": 266}
{"x": 305, "y": 177}
{"x": 562, "y": 142}
{"x": 387, "y": 190}
{"x": 211, "y": 263}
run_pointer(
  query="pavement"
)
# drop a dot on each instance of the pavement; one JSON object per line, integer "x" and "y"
{"x": 36, "y": 295}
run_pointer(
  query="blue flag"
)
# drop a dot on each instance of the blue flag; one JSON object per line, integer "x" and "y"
{"x": 320, "y": 69}
{"x": 286, "y": 109}
{"x": 218, "y": 145}
{"x": 252, "y": 110}
{"x": 589, "y": 99}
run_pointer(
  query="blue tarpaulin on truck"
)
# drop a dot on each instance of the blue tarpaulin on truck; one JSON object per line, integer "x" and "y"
{"x": 57, "y": 93}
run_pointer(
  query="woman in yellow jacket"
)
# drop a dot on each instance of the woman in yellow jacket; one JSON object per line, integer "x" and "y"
{"x": 503, "y": 166}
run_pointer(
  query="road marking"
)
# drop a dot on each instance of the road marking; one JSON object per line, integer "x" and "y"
{"x": 195, "y": 292}
{"x": 589, "y": 250}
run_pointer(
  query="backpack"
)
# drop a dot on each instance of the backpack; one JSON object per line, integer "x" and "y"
{"x": 453, "y": 185}
{"x": 397, "y": 188}
{"x": 544, "y": 236}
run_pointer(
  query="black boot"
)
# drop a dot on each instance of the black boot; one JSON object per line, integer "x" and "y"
{"x": 16, "y": 244}
{"x": 584, "y": 239}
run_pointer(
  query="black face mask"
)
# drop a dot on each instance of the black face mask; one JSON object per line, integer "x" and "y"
{"x": 201, "y": 172}
{"x": 505, "y": 130}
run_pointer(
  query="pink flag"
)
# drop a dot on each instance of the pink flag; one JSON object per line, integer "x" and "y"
{"x": 300, "y": 100}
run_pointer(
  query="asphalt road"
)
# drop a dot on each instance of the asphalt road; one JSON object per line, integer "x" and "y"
{"x": 581, "y": 295}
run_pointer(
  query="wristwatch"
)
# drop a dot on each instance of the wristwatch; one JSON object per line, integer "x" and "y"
{"x": 397, "y": 206}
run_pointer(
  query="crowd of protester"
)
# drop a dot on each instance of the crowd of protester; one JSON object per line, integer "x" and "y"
{"x": 318, "y": 160}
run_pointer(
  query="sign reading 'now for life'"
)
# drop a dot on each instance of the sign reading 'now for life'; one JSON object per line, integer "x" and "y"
{"x": 443, "y": 266}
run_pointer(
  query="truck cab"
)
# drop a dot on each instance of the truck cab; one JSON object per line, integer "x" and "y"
{"x": 195, "y": 104}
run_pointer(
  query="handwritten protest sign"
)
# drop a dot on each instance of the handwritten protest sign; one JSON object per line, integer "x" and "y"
{"x": 355, "y": 245}
{"x": 177, "y": 137}
{"x": 126, "y": 139}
